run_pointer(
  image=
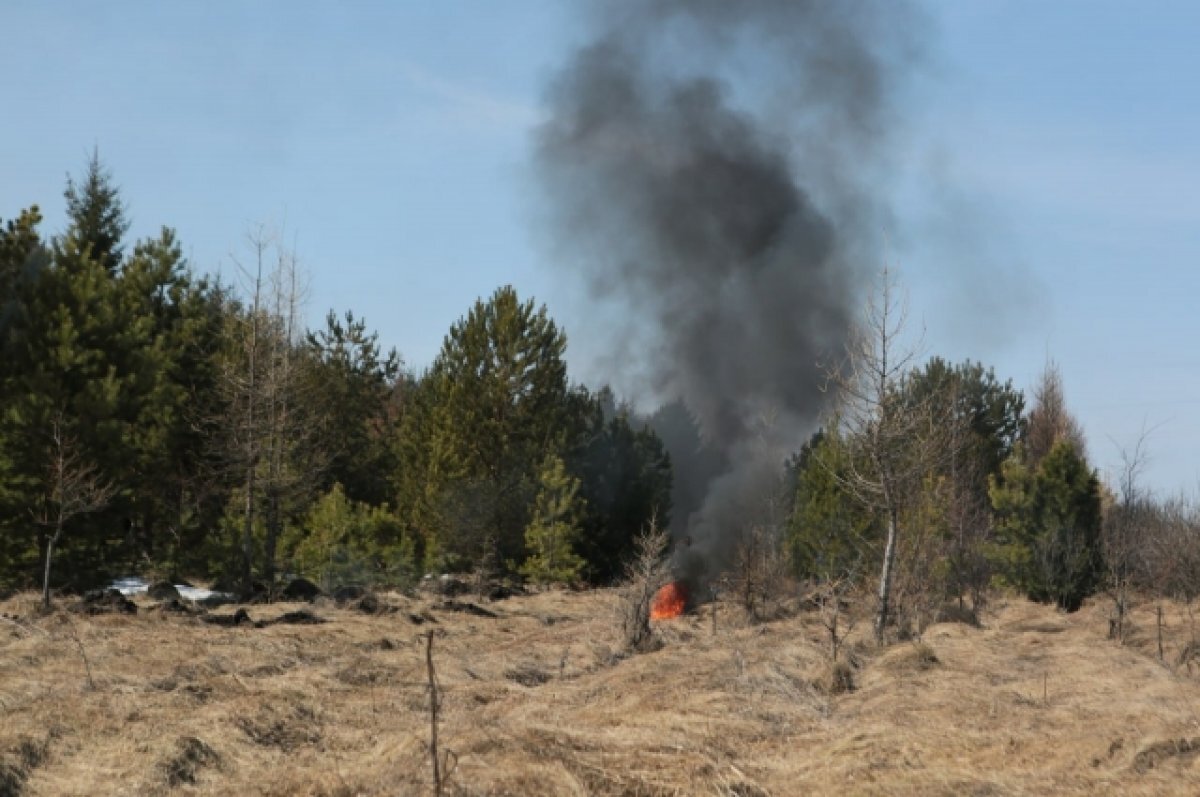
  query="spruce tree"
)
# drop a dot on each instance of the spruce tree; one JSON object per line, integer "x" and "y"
{"x": 1067, "y": 507}
{"x": 1048, "y": 526}
{"x": 1047, "y": 505}
{"x": 96, "y": 215}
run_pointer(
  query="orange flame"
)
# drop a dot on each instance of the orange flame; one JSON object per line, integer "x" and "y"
{"x": 669, "y": 601}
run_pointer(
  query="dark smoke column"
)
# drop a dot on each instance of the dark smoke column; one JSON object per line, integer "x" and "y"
{"x": 711, "y": 168}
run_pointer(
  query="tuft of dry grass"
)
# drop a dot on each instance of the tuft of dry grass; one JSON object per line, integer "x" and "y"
{"x": 909, "y": 657}
{"x": 191, "y": 756}
{"x": 539, "y": 700}
{"x": 840, "y": 678}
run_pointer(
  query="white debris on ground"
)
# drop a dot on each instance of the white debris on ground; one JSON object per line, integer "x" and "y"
{"x": 133, "y": 585}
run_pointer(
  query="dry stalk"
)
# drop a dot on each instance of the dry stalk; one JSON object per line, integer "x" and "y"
{"x": 87, "y": 665}
{"x": 758, "y": 571}
{"x": 1159, "y": 615}
{"x": 443, "y": 764}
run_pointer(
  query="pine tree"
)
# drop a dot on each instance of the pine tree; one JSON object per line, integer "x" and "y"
{"x": 989, "y": 411}
{"x": 625, "y": 480}
{"x": 830, "y": 535}
{"x": 418, "y": 478}
{"x": 354, "y": 383}
{"x": 496, "y": 403}
{"x": 983, "y": 420}
{"x": 168, "y": 337}
{"x": 342, "y": 541}
{"x": 22, "y": 257}
{"x": 61, "y": 325}
{"x": 553, "y": 529}
{"x": 60, "y": 367}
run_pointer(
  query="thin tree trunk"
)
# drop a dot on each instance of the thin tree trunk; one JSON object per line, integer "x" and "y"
{"x": 885, "y": 577}
{"x": 74, "y": 490}
{"x": 434, "y": 700}
{"x": 248, "y": 532}
{"x": 46, "y": 576}
{"x": 833, "y": 630}
{"x": 1121, "y": 615}
{"x": 1158, "y": 613}
{"x": 251, "y": 431}
{"x": 271, "y": 542}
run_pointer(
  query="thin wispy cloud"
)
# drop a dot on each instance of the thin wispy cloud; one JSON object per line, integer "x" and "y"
{"x": 469, "y": 104}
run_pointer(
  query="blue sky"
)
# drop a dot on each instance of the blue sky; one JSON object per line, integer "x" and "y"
{"x": 1047, "y": 200}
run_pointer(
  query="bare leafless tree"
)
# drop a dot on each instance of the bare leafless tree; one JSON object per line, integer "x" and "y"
{"x": 646, "y": 573}
{"x": 833, "y": 598}
{"x": 759, "y": 570}
{"x": 266, "y": 427}
{"x": 293, "y": 457}
{"x": 241, "y": 378}
{"x": 1172, "y": 549}
{"x": 892, "y": 439}
{"x": 959, "y": 489}
{"x": 1124, "y": 526}
{"x": 920, "y": 584}
{"x": 942, "y": 556}
{"x": 73, "y": 488}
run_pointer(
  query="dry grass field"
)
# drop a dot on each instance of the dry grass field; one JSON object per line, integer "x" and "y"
{"x": 537, "y": 702}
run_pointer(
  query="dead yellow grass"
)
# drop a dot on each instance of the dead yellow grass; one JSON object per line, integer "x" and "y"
{"x": 537, "y": 702}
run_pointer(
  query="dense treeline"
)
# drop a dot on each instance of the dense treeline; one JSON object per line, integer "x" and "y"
{"x": 156, "y": 420}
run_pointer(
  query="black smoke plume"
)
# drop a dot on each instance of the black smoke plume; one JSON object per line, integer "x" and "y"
{"x": 712, "y": 170}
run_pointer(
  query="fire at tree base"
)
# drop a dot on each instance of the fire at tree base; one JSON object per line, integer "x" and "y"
{"x": 669, "y": 602}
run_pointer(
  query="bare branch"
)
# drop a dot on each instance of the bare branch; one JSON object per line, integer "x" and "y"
{"x": 73, "y": 488}
{"x": 893, "y": 440}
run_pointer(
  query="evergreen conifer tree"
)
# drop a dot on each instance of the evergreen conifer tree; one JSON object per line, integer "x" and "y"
{"x": 96, "y": 215}
{"x": 497, "y": 403}
{"x": 1048, "y": 526}
{"x": 554, "y": 527}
